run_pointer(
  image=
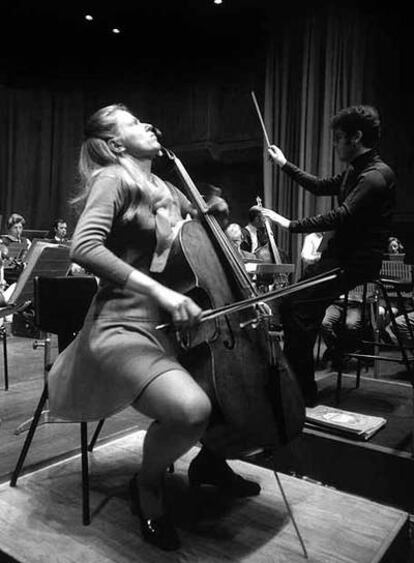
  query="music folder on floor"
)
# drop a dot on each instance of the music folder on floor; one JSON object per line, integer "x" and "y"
{"x": 352, "y": 424}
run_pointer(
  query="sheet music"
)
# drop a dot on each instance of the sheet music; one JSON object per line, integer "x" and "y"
{"x": 43, "y": 258}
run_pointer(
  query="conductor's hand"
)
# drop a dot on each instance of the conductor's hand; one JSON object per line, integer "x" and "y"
{"x": 276, "y": 217}
{"x": 183, "y": 310}
{"x": 277, "y": 155}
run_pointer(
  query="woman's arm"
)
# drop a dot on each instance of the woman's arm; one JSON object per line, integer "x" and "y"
{"x": 88, "y": 249}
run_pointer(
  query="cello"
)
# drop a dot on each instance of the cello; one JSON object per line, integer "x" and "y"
{"x": 256, "y": 400}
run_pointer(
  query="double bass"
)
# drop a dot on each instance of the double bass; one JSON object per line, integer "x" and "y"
{"x": 234, "y": 358}
{"x": 270, "y": 253}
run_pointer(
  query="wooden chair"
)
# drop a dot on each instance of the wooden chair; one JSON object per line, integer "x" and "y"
{"x": 395, "y": 282}
{"x": 61, "y": 304}
{"x": 3, "y": 338}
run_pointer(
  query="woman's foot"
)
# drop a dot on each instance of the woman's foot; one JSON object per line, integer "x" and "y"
{"x": 208, "y": 469}
{"x": 156, "y": 525}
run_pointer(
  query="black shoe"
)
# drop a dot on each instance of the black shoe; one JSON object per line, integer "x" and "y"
{"x": 208, "y": 469}
{"x": 311, "y": 398}
{"x": 159, "y": 531}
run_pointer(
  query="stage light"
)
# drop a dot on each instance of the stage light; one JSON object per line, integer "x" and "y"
{"x": 116, "y": 30}
{"x": 218, "y": 1}
{"x": 88, "y": 17}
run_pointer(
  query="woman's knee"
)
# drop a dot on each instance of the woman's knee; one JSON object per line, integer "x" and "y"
{"x": 192, "y": 412}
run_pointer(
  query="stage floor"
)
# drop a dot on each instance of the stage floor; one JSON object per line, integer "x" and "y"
{"x": 41, "y": 517}
{"x": 392, "y": 400}
{"x": 380, "y": 468}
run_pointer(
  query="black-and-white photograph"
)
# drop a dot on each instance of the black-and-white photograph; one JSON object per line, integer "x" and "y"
{"x": 206, "y": 282}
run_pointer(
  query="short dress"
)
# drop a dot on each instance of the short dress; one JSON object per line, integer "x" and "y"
{"x": 118, "y": 352}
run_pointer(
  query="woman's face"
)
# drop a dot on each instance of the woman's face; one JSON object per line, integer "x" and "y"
{"x": 138, "y": 139}
{"x": 16, "y": 230}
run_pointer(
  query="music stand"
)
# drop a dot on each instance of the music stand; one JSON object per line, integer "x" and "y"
{"x": 60, "y": 305}
{"x": 42, "y": 259}
{"x": 268, "y": 268}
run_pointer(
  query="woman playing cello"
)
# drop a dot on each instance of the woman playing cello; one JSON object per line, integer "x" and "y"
{"x": 119, "y": 359}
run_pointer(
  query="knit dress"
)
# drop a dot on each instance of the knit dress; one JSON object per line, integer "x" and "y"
{"x": 118, "y": 352}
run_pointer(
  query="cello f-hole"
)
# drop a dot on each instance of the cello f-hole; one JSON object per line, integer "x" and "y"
{"x": 229, "y": 344}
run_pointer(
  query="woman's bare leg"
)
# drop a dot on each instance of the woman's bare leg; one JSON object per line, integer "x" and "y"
{"x": 181, "y": 410}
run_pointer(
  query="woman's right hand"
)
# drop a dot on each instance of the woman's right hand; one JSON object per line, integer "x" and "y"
{"x": 183, "y": 310}
{"x": 277, "y": 155}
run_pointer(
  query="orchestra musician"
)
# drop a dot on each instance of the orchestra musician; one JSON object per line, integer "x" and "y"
{"x": 234, "y": 233}
{"x": 15, "y": 226}
{"x": 360, "y": 225}
{"x": 58, "y": 231}
{"x": 254, "y": 233}
{"x": 119, "y": 359}
{"x": 14, "y": 264}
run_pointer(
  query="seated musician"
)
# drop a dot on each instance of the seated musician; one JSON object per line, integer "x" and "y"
{"x": 15, "y": 226}
{"x": 256, "y": 238}
{"x": 17, "y": 246}
{"x": 254, "y": 233}
{"x": 119, "y": 359}
{"x": 214, "y": 198}
{"x": 234, "y": 233}
{"x": 394, "y": 246}
{"x": 310, "y": 252}
{"x": 58, "y": 232}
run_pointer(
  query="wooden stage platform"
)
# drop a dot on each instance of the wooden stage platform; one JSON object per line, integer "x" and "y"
{"x": 381, "y": 468}
{"x": 41, "y": 518}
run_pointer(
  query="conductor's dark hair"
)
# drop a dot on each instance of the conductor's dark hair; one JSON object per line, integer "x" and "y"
{"x": 359, "y": 118}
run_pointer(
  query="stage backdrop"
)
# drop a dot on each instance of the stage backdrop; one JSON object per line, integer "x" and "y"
{"x": 320, "y": 63}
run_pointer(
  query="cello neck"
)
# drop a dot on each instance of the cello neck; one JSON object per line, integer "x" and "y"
{"x": 228, "y": 251}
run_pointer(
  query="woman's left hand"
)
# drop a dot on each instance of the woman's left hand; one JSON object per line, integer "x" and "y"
{"x": 276, "y": 217}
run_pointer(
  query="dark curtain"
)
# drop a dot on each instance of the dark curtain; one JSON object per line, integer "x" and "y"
{"x": 40, "y": 135}
{"x": 205, "y": 118}
{"x": 315, "y": 66}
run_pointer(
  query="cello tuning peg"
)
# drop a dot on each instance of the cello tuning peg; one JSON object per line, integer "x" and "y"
{"x": 252, "y": 322}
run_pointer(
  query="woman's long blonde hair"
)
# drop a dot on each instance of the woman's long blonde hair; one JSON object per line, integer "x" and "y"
{"x": 96, "y": 155}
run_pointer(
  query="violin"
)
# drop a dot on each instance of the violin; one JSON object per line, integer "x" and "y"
{"x": 234, "y": 357}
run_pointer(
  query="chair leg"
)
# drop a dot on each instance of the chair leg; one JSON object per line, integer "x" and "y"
{"x": 85, "y": 474}
{"x": 29, "y": 437}
{"x": 318, "y": 348}
{"x": 96, "y": 434}
{"x": 401, "y": 346}
{"x": 5, "y": 362}
{"x": 340, "y": 350}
